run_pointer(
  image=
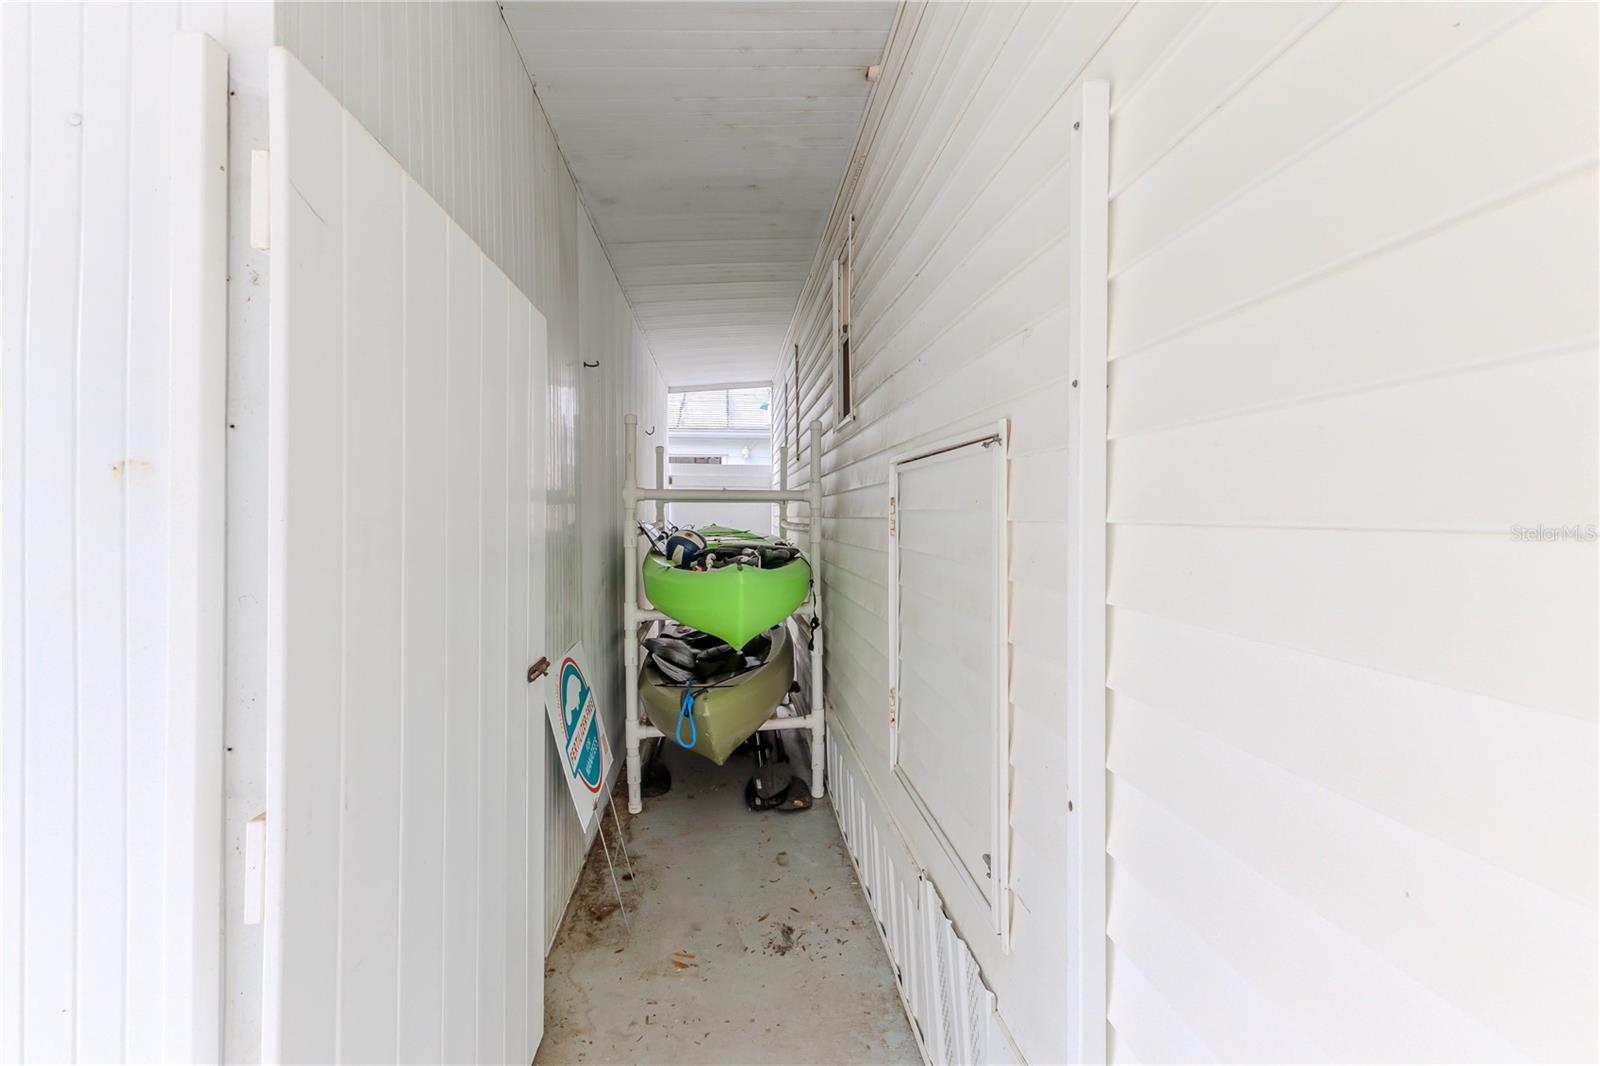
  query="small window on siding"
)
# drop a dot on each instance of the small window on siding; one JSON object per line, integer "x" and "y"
{"x": 844, "y": 382}
{"x": 949, "y": 707}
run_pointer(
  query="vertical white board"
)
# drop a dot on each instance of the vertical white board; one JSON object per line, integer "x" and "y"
{"x": 114, "y": 214}
{"x": 1086, "y": 575}
{"x": 425, "y": 470}
{"x": 406, "y": 578}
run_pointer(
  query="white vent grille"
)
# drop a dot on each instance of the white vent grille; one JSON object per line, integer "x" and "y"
{"x": 951, "y": 1009}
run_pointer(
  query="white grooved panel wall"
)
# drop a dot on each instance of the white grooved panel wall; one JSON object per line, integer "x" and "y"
{"x": 406, "y": 561}
{"x": 443, "y": 88}
{"x": 115, "y": 185}
{"x": 1353, "y": 310}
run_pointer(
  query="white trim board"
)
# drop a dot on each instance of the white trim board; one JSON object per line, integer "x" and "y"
{"x": 1086, "y": 578}
{"x": 196, "y": 597}
{"x": 719, "y": 387}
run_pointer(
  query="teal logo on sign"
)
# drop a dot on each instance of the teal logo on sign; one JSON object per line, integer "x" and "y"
{"x": 582, "y": 726}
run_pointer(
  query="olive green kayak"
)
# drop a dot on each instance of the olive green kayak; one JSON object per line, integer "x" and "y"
{"x": 734, "y": 602}
{"x": 725, "y": 712}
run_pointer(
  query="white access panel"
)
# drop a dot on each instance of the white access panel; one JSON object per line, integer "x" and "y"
{"x": 948, "y": 702}
{"x": 405, "y": 765}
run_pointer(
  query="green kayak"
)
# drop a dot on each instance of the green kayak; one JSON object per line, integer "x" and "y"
{"x": 735, "y": 602}
{"x": 727, "y": 708}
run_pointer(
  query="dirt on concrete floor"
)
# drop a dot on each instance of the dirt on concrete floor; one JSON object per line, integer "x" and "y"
{"x": 747, "y": 940}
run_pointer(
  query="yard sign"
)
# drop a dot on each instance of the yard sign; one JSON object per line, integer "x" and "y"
{"x": 580, "y": 734}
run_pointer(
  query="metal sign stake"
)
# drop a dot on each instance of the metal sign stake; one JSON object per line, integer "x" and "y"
{"x": 621, "y": 842}
{"x": 615, "y": 884}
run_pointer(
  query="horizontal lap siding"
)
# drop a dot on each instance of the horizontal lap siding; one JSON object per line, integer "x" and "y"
{"x": 443, "y": 88}
{"x": 1352, "y": 724}
{"x": 1352, "y": 720}
{"x": 961, "y": 256}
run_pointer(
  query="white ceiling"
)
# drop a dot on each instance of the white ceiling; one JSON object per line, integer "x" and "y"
{"x": 708, "y": 140}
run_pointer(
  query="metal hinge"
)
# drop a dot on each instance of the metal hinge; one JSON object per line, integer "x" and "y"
{"x": 255, "y": 869}
{"x": 538, "y": 670}
{"x": 891, "y": 708}
{"x": 891, "y": 516}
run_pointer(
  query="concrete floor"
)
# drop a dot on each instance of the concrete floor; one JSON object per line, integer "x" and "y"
{"x": 751, "y": 941}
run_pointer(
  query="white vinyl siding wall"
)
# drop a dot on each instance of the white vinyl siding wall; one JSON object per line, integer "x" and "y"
{"x": 1352, "y": 331}
{"x": 443, "y": 88}
{"x": 1352, "y": 719}
{"x": 959, "y": 319}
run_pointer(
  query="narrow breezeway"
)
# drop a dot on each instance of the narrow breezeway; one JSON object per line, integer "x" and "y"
{"x": 750, "y": 940}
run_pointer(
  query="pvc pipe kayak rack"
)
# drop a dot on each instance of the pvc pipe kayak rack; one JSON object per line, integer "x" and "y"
{"x": 635, "y": 617}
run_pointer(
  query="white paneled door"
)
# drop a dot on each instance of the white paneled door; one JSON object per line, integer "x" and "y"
{"x": 405, "y": 766}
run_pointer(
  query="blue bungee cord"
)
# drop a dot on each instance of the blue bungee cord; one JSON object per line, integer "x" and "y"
{"x": 686, "y": 711}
